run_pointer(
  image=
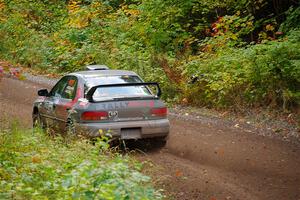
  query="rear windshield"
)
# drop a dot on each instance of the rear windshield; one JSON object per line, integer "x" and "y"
{"x": 111, "y": 92}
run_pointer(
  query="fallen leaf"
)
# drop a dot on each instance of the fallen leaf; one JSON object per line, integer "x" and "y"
{"x": 178, "y": 173}
{"x": 36, "y": 159}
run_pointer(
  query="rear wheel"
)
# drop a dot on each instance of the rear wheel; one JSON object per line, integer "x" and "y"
{"x": 156, "y": 143}
{"x": 160, "y": 142}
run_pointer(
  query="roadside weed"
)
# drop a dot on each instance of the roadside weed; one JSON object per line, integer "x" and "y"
{"x": 36, "y": 166}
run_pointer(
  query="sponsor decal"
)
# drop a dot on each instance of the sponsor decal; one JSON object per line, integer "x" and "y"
{"x": 125, "y": 104}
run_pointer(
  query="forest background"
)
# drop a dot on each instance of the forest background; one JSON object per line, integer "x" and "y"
{"x": 214, "y": 53}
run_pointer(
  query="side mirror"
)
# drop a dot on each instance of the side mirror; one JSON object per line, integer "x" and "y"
{"x": 43, "y": 92}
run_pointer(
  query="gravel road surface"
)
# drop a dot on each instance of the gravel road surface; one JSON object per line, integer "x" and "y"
{"x": 202, "y": 160}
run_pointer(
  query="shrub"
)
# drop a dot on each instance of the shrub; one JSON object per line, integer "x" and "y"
{"x": 262, "y": 74}
{"x": 34, "y": 166}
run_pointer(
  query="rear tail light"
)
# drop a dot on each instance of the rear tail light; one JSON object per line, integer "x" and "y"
{"x": 94, "y": 115}
{"x": 159, "y": 112}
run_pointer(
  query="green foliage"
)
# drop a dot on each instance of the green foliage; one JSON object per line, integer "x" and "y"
{"x": 292, "y": 21}
{"x": 166, "y": 41}
{"x": 40, "y": 15}
{"x": 265, "y": 73}
{"x": 34, "y": 166}
{"x": 229, "y": 31}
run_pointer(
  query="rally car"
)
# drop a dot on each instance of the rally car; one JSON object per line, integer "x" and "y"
{"x": 100, "y": 101}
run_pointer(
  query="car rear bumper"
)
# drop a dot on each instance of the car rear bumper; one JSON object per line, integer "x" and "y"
{"x": 126, "y": 129}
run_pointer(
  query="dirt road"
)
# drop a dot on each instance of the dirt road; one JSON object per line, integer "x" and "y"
{"x": 202, "y": 160}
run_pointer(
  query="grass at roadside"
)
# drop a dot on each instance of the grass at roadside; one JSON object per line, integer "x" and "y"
{"x": 34, "y": 166}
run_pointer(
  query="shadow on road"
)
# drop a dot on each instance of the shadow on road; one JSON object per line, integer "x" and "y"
{"x": 138, "y": 146}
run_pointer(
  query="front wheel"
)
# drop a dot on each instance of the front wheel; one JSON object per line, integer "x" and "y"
{"x": 37, "y": 121}
{"x": 70, "y": 128}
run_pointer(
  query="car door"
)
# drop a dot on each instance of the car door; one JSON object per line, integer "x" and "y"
{"x": 66, "y": 101}
{"x": 48, "y": 109}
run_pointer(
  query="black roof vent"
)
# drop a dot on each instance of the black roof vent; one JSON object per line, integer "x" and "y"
{"x": 97, "y": 67}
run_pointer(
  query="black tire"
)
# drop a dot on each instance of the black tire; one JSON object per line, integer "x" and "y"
{"x": 158, "y": 143}
{"x": 161, "y": 142}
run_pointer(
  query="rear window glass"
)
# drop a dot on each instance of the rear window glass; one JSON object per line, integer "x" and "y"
{"x": 117, "y": 91}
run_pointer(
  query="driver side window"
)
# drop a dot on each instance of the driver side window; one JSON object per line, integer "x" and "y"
{"x": 69, "y": 91}
{"x": 57, "y": 90}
